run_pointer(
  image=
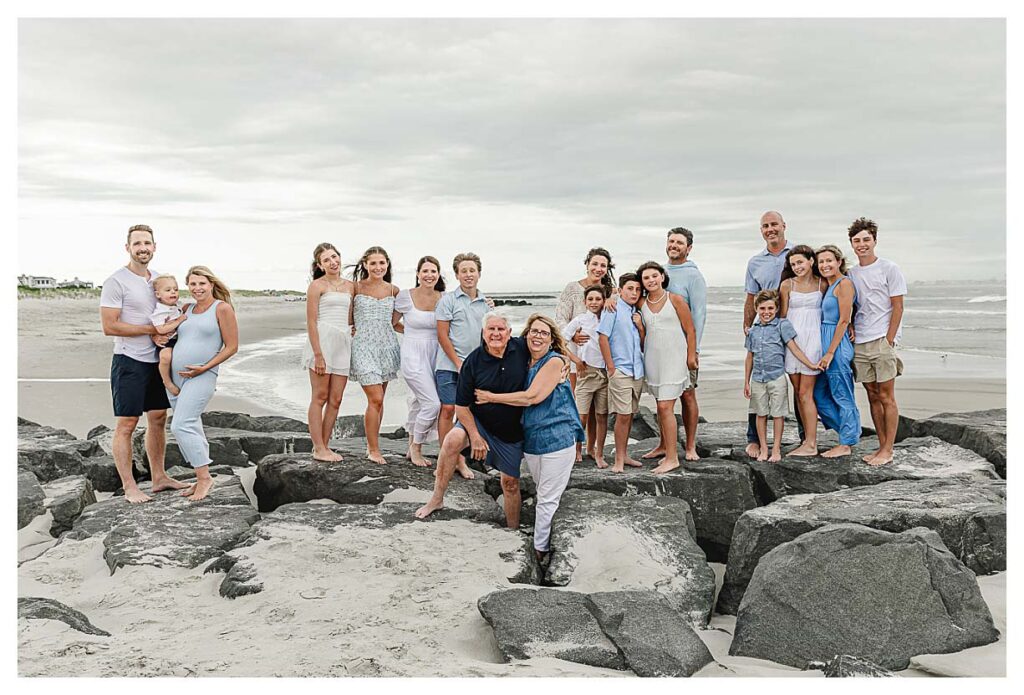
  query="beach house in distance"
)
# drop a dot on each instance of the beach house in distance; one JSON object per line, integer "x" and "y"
{"x": 39, "y": 282}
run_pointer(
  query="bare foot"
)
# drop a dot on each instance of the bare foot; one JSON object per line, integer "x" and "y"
{"x": 691, "y": 455}
{"x": 201, "y": 489}
{"x": 762, "y": 454}
{"x": 837, "y": 451}
{"x": 804, "y": 450}
{"x": 465, "y": 471}
{"x": 325, "y": 455}
{"x": 428, "y": 509}
{"x": 579, "y": 457}
{"x": 136, "y": 496}
{"x": 418, "y": 460}
{"x": 376, "y": 457}
{"x": 600, "y": 462}
{"x": 867, "y": 457}
{"x": 189, "y": 490}
{"x": 617, "y": 468}
{"x": 666, "y": 466}
{"x": 630, "y": 461}
{"x": 880, "y": 460}
{"x": 753, "y": 450}
{"x": 172, "y": 389}
{"x": 775, "y": 457}
{"x": 165, "y": 483}
{"x": 655, "y": 453}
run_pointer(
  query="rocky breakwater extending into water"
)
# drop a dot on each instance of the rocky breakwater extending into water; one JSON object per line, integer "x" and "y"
{"x": 296, "y": 567}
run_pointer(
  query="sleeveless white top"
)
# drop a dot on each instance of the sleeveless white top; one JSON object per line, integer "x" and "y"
{"x": 335, "y": 333}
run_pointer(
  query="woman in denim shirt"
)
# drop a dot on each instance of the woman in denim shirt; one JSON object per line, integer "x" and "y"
{"x": 551, "y": 423}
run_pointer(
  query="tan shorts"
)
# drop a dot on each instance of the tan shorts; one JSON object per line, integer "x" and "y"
{"x": 770, "y": 398}
{"x": 592, "y": 387}
{"x": 876, "y": 361}
{"x": 624, "y": 393}
{"x": 693, "y": 380}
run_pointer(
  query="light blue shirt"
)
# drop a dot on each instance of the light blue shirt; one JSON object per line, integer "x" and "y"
{"x": 767, "y": 342}
{"x": 688, "y": 282}
{"x": 465, "y": 317}
{"x": 764, "y": 271}
{"x": 623, "y": 339}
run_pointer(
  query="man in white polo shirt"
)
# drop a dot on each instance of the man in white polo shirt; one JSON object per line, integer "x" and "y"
{"x": 877, "y": 326}
{"x": 126, "y": 302}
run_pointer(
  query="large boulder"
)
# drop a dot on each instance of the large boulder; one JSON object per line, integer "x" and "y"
{"x": 30, "y": 497}
{"x": 969, "y": 515}
{"x": 717, "y": 492}
{"x": 727, "y": 439}
{"x": 52, "y": 453}
{"x": 849, "y": 589}
{"x": 286, "y": 478}
{"x": 981, "y": 431}
{"x": 914, "y": 459}
{"x": 252, "y": 423}
{"x": 602, "y": 542}
{"x": 35, "y": 608}
{"x": 170, "y": 530}
{"x": 654, "y": 639}
{"x": 531, "y": 623}
{"x": 68, "y": 499}
{"x": 102, "y": 473}
{"x": 846, "y": 666}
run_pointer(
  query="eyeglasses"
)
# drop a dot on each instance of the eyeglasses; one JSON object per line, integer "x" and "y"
{"x": 535, "y": 333}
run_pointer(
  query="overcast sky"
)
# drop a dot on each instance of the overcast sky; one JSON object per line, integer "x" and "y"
{"x": 243, "y": 143}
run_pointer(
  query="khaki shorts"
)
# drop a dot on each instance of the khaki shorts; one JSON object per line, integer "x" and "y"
{"x": 693, "y": 380}
{"x": 624, "y": 393}
{"x": 770, "y": 398}
{"x": 592, "y": 387}
{"x": 876, "y": 361}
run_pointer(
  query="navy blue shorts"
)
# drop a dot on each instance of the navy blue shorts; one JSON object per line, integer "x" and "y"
{"x": 506, "y": 457}
{"x": 136, "y": 387}
{"x": 447, "y": 383}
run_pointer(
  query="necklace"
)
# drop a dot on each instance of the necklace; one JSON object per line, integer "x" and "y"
{"x": 655, "y": 302}
{"x": 335, "y": 287}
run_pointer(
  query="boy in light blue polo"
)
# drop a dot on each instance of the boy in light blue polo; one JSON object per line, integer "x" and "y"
{"x": 621, "y": 335}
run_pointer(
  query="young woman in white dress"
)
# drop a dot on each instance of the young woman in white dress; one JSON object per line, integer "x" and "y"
{"x": 801, "y": 290}
{"x": 670, "y": 336}
{"x": 327, "y": 353}
{"x": 419, "y": 352}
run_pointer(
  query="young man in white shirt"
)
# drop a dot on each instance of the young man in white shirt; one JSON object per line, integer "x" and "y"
{"x": 877, "y": 326}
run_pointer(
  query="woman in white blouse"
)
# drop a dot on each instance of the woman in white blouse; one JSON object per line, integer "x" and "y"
{"x": 419, "y": 350}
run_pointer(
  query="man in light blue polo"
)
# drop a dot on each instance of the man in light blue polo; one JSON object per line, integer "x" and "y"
{"x": 686, "y": 280}
{"x": 764, "y": 272}
{"x": 459, "y": 317}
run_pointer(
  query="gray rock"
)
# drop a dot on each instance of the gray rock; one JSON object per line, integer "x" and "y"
{"x": 34, "y": 608}
{"x": 30, "y": 497}
{"x": 252, "y": 423}
{"x": 188, "y": 472}
{"x": 531, "y": 623}
{"x": 849, "y": 589}
{"x": 729, "y": 439}
{"x": 297, "y": 478}
{"x": 717, "y": 491}
{"x": 68, "y": 499}
{"x": 657, "y": 532}
{"x": 399, "y": 433}
{"x": 102, "y": 473}
{"x": 97, "y": 431}
{"x": 240, "y": 576}
{"x": 644, "y": 425}
{"x": 52, "y": 453}
{"x": 170, "y": 530}
{"x": 348, "y": 426}
{"x": 22, "y": 422}
{"x": 655, "y": 640}
{"x": 981, "y": 431}
{"x": 914, "y": 459}
{"x": 846, "y": 666}
{"x": 225, "y": 449}
{"x": 970, "y": 516}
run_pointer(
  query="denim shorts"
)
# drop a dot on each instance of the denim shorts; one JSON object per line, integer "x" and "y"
{"x": 447, "y": 383}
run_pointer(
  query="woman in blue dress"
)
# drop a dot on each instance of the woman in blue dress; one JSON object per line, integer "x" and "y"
{"x": 833, "y": 390}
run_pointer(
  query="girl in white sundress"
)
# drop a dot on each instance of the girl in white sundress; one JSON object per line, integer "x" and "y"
{"x": 801, "y": 291}
{"x": 670, "y": 352}
{"x": 419, "y": 352}
{"x": 328, "y": 350}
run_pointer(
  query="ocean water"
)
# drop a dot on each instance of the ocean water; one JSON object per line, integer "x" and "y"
{"x": 950, "y": 331}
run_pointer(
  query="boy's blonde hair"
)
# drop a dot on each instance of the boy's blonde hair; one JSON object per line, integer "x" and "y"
{"x": 164, "y": 276}
{"x": 766, "y": 296}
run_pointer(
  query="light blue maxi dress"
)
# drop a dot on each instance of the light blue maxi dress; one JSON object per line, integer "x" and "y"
{"x": 199, "y": 340}
{"x": 833, "y": 390}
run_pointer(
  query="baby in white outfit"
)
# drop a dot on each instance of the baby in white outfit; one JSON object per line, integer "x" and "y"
{"x": 166, "y": 318}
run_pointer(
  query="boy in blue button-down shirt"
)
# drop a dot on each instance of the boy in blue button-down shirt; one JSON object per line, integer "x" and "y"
{"x": 764, "y": 380}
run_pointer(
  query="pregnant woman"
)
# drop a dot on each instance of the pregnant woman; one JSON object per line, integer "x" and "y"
{"x": 328, "y": 351}
{"x": 207, "y": 338}
{"x": 833, "y": 392}
{"x": 801, "y": 291}
{"x": 375, "y": 350}
{"x": 419, "y": 353}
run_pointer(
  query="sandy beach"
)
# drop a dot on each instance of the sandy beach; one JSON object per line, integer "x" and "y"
{"x": 64, "y": 363}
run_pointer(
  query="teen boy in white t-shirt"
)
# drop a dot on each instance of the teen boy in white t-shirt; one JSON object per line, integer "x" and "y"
{"x": 877, "y": 326}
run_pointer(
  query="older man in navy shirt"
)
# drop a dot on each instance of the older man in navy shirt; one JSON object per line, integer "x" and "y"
{"x": 764, "y": 272}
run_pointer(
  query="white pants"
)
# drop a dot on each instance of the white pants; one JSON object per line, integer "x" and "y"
{"x": 551, "y": 473}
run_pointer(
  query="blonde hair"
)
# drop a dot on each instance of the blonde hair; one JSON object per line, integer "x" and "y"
{"x": 164, "y": 276}
{"x": 834, "y": 250}
{"x": 767, "y": 296}
{"x": 220, "y": 290}
{"x": 557, "y": 341}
